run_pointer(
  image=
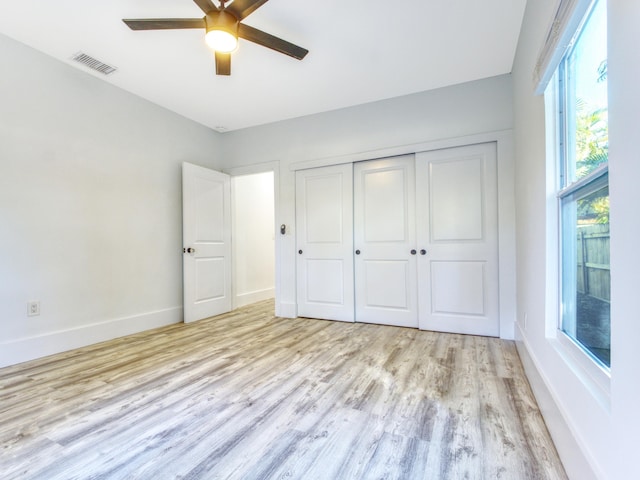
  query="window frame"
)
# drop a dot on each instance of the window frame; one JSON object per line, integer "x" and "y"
{"x": 595, "y": 181}
{"x": 588, "y": 368}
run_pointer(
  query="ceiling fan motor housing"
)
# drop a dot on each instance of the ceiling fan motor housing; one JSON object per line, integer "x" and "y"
{"x": 222, "y": 21}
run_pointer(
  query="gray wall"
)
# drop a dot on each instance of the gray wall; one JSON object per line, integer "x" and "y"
{"x": 91, "y": 190}
{"x": 446, "y": 113}
{"x": 90, "y": 206}
{"x": 465, "y": 109}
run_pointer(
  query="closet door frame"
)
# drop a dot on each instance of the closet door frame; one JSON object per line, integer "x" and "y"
{"x": 510, "y": 318}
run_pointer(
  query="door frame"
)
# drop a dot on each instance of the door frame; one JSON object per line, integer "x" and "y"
{"x": 250, "y": 170}
{"x": 506, "y": 209}
{"x": 265, "y": 233}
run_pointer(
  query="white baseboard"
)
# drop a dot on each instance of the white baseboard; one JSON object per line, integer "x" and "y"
{"x": 30, "y": 348}
{"x": 576, "y": 464}
{"x": 248, "y": 298}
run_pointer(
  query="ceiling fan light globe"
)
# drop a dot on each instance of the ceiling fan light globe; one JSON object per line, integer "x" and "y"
{"x": 221, "y": 41}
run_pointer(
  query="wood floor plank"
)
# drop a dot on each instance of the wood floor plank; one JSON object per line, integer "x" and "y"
{"x": 248, "y": 395}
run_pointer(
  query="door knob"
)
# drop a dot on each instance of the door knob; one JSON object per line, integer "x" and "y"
{"x": 423, "y": 252}
{"x": 188, "y": 250}
{"x": 300, "y": 252}
{"x": 413, "y": 252}
{"x": 357, "y": 252}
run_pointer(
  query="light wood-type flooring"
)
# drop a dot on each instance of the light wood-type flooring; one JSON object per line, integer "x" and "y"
{"x": 251, "y": 396}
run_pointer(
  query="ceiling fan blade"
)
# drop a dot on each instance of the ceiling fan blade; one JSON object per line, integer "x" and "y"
{"x": 243, "y": 8}
{"x": 223, "y": 63}
{"x": 163, "y": 23}
{"x": 266, "y": 40}
{"x": 206, "y": 5}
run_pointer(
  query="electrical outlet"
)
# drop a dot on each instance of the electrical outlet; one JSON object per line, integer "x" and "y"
{"x": 33, "y": 308}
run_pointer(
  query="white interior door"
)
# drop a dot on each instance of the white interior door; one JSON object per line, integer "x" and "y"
{"x": 324, "y": 223}
{"x": 458, "y": 240}
{"x": 384, "y": 240}
{"x": 206, "y": 231}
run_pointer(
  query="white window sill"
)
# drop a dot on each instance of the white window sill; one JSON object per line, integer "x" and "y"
{"x": 595, "y": 377}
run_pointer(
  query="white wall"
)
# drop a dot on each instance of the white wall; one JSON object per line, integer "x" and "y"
{"x": 447, "y": 113}
{"x": 624, "y": 177}
{"x": 253, "y": 238}
{"x": 90, "y": 206}
{"x": 595, "y": 432}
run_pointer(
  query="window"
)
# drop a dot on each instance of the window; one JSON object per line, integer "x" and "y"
{"x": 583, "y": 188}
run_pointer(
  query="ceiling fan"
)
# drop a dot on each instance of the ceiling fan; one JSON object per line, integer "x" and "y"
{"x": 223, "y": 26}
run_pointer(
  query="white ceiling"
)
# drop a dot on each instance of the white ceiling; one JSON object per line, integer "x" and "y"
{"x": 359, "y": 51}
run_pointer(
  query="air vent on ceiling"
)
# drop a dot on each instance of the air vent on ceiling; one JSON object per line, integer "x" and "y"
{"x": 92, "y": 63}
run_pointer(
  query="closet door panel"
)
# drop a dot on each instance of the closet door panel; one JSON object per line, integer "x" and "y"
{"x": 458, "y": 288}
{"x": 384, "y": 235}
{"x": 456, "y": 206}
{"x": 385, "y": 204}
{"x": 458, "y": 233}
{"x": 324, "y": 222}
{"x": 387, "y": 284}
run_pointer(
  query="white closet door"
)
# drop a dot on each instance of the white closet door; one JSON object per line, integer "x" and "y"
{"x": 458, "y": 240}
{"x": 384, "y": 237}
{"x": 324, "y": 223}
